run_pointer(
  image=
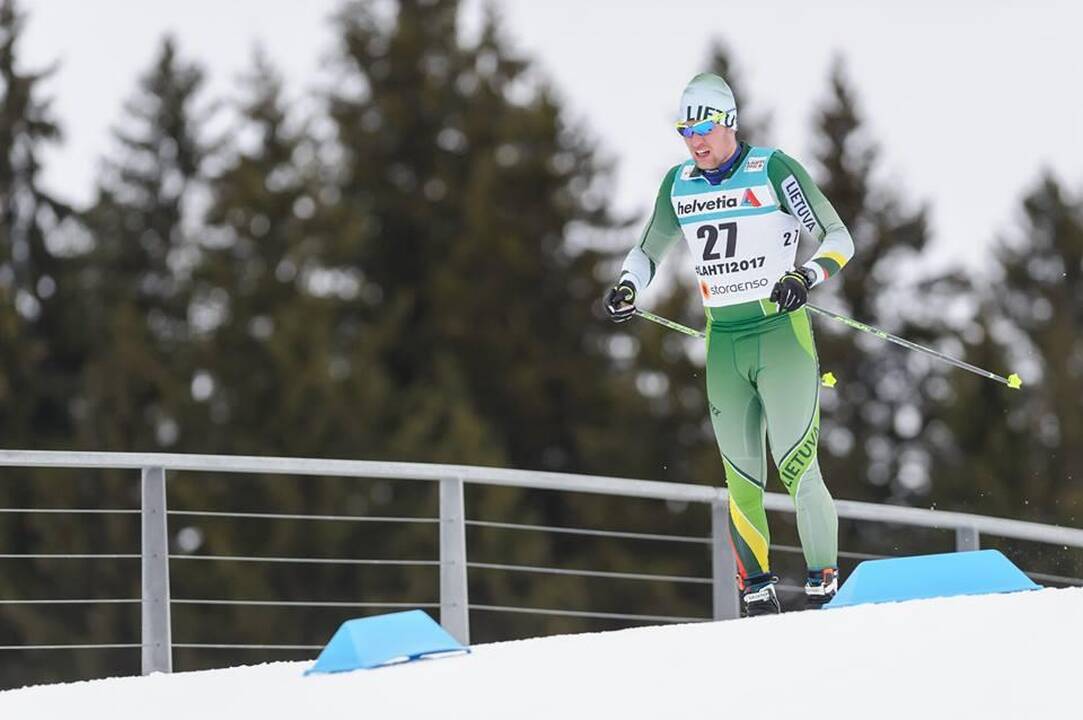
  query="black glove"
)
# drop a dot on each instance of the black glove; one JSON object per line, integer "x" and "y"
{"x": 620, "y": 301}
{"x": 791, "y": 291}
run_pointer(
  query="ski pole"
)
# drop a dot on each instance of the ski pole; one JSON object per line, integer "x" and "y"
{"x": 669, "y": 324}
{"x": 828, "y": 379}
{"x": 1013, "y": 381}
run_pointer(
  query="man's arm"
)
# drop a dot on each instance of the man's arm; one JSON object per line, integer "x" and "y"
{"x": 802, "y": 199}
{"x": 661, "y": 232}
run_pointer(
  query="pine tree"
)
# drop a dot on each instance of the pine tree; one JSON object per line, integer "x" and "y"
{"x": 265, "y": 368}
{"x": 128, "y": 304}
{"x": 275, "y": 377}
{"x": 144, "y": 224}
{"x": 43, "y": 348}
{"x": 1014, "y": 453}
{"x": 463, "y": 199}
{"x": 464, "y": 183}
{"x": 870, "y": 446}
{"x": 877, "y": 432}
{"x": 1044, "y": 300}
{"x": 40, "y": 352}
{"x": 754, "y": 124}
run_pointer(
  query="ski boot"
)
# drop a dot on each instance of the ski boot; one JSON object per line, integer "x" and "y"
{"x": 821, "y": 586}
{"x": 758, "y": 595}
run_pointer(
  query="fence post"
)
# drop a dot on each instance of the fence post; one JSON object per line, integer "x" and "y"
{"x": 967, "y": 538}
{"x": 454, "y": 602}
{"x": 725, "y": 602}
{"x": 157, "y": 642}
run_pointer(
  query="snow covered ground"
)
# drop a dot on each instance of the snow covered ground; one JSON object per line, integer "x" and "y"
{"x": 992, "y": 656}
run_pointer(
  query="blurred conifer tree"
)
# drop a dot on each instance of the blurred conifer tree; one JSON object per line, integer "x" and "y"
{"x": 40, "y": 352}
{"x": 875, "y": 414}
{"x": 145, "y": 223}
{"x": 413, "y": 272}
{"x": 1014, "y": 453}
{"x": 474, "y": 202}
{"x": 44, "y": 346}
{"x": 269, "y": 369}
{"x": 754, "y": 122}
{"x": 134, "y": 304}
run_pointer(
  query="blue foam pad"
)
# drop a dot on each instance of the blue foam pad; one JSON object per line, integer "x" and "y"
{"x": 382, "y": 639}
{"x": 929, "y": 576}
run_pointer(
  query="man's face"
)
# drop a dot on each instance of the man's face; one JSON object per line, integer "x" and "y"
{"x": 711, "y": 150}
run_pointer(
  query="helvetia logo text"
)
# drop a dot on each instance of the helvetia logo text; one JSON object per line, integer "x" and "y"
{"x": 696, "y": 206}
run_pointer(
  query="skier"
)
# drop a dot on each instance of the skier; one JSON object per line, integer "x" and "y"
{"x": 741, "y": 210}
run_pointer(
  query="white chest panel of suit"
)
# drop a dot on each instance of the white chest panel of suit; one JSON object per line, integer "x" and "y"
{"x": 741, "y": 241}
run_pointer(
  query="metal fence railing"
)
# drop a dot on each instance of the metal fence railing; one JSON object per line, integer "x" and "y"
{"x": 453, "y": 563}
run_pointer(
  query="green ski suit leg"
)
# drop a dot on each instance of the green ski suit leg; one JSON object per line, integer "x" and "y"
{"x": 763, "y": 383}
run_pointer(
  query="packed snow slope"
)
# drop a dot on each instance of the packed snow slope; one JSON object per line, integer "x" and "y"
{"x": 991, "y": 656}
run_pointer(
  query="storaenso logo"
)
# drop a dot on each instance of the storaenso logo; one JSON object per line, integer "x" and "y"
{"x": 720, "y": 202}
{"x": 800, "y": 458}
{"x": 798, "y": 204}
{"x": 719, "y": 290}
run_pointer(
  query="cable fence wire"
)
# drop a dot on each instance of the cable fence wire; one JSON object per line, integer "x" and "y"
{"x": 89, "y": 646}
{"x": 70, "y": 556}
{"x": 848, "y": 554}
{"x": 74, "y": 601}
{"x": 292, "y": 516}
{"x": 617, "y": 487}
{"x": 244, "y": 646}
{"x": 590, "y": 573}
{"x": 306, "y": 560}
{"x": 68, "y": 511}
{"x": 17, "y": 602}
{"x": 785, "y": 587}
{"x": 1046, "y": 577}
{"x": 588, "y": 614}
{"x": 589, "y": 532}
{"x": 302, "y": 603}
{"x": 1036, "y": 576}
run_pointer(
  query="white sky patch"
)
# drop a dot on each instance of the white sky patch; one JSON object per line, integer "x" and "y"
{"x": 965, "y": 98}
{"x": 969, "y": 100}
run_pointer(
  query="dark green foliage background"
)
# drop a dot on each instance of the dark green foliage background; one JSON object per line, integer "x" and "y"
{"x": 412, "y": 271}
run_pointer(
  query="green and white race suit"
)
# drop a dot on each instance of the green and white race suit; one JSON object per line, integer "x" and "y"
{"x": 762, "y": 370}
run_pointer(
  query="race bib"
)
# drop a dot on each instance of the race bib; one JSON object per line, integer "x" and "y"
{"x": 740, "y": 243}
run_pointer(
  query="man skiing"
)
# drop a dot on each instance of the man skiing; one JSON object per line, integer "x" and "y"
{"x": 741, "y": 210}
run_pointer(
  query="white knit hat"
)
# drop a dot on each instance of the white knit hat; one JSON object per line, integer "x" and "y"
{"x": 707, "y": 93}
